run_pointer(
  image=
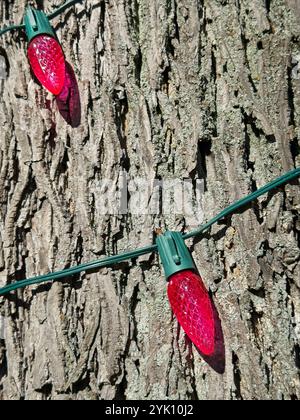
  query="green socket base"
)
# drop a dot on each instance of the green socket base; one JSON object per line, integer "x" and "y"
{"x": 174, "y": 254}
{"x": 36, "y": 23}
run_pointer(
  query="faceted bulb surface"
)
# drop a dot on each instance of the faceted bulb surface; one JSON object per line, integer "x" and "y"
{"x": 192, "y": 307}
{"x": 47, "y": 62}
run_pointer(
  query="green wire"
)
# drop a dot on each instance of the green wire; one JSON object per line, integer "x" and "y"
{"x": 62, "y": 8}
{"x": 289, "y": 176}
{"x": 11, "y": 28}
{"x": 51, "y": 16}
{"x": 115, "y": 259}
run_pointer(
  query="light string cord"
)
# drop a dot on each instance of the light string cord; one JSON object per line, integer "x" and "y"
{"x": 51, "y": 16}
{"x": 115, "y": 259}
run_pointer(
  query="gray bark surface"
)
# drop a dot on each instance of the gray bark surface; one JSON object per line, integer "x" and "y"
{"x": 169, "y": 89}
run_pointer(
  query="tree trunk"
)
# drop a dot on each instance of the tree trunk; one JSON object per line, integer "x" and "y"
{"x": 169, "y": 89}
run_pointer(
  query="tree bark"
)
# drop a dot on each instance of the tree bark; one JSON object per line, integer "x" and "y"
{"x": 169, "y": 89}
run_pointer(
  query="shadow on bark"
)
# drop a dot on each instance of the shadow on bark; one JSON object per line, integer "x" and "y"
{"x": 217, "y": 360}
{"x": 68, "y": 101}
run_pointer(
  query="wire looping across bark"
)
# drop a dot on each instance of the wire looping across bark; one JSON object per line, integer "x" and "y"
{"x": 115, "y": 259}
{"x": 51, "y": 16}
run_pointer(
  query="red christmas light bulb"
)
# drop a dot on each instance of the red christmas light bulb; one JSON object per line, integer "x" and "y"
{"x": 192, "y": 307}
{"x": 47, "y": 62}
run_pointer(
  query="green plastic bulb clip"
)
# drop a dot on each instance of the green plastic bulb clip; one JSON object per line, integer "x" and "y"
{"x": 37, "y": 23}
{"x": 174, "y": 254}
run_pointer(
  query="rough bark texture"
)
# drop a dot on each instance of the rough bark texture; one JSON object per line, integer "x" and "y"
{"x": 169, "y": 88}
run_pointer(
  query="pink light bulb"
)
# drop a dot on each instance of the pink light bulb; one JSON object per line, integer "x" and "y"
{"x": 192, "y": 307}
{"x": 47, "y": 62}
